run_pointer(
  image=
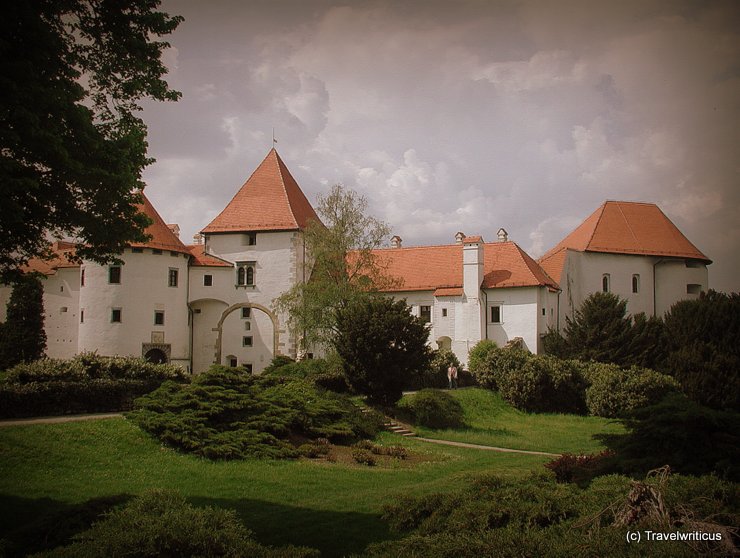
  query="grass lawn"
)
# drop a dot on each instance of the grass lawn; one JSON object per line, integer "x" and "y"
{"x": 48, "y": 469}
{"x": 493, "y": 422}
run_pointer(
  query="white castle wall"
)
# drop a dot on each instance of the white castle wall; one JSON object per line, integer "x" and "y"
{"x": 61, "y": 312}
{"x": 143, "y": 289}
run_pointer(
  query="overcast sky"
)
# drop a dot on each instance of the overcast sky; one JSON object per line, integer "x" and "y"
{"x": 462, "y": 116}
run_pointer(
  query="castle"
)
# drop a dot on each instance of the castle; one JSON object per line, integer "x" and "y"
{"x": 211, "y": 302}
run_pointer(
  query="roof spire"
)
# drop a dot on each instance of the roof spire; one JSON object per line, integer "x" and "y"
{"x": 274, "y": 141}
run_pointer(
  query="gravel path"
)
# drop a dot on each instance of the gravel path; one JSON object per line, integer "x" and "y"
{"x": 54, "y": 420}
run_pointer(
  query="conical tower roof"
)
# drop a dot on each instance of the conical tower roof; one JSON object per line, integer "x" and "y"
{"x": 270, "y": 200}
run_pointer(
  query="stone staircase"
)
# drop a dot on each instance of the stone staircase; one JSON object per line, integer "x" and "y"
{"x": 400, "y": 429}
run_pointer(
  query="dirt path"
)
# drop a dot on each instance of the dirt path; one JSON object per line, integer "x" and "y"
{"x": 54, "y": 420}
{"x": 476, "y": 446}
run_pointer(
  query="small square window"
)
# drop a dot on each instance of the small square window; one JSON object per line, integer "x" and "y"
{"x": 444, "y": 312}
{"x": 137, "y": 250}
{"x": 693, "y": 288}
{"x": 172, "y": 277}
{"x": 156, "y": 252}
{"x": 246, "y": 312}
{"x": 173, "y": 254}
{"x": 63, "y": 309}
{"x": 247, "y": 341}
{"x": 208, "y": 280}
{"x": 159, "y": 317}
{"x": 495, "y": 314}
{"x": 249, "y": 239}
{"x": 232, "y": 362}
{"x": 115, "y": 316}
{"x": 114, "y": 275}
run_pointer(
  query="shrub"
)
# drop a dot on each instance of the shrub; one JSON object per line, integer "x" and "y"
{"x": 278, "y": 361}
{"x": 317, "y": 448}
{"x": 497, "y": 363}
{"x": 364, "y": 457}
{"x": 22, "y": 337}
{"x": 614, "y": 392}
{"x": 689, "y": 437}
{"x": 325, "y": 373}
{"x": 477, "y": 355}
{"x": 436, "y": 375}
{"x": 161, "y": 523}
{"x": 579, "y": 469}
{"x": 225, "y": 414}
{"x": 85, "y": 383}
{"x": 434, "y": 409}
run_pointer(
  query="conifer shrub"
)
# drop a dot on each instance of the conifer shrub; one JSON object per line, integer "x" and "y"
{"x": 225, "y": 414}
{"x": 325, "y": 373}
{"x": 85, "y": 383}
{"x": 615, "y": 392}
{"x": 479, "y": 352}
{"x": 163, "y": 523}
{"x": 434, "y": 409}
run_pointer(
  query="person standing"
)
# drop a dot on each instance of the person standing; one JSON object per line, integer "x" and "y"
{"x": 452, "y": 376}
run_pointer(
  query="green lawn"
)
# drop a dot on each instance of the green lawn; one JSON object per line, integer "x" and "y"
{"x": 46, "y": 469}
{"x": 493, "y": 422}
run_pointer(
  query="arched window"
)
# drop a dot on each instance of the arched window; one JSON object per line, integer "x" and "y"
{"x": 240, "y": 275}
{"x": 605, "y": 283}
{"x": 636, "y": 283}
{"x": 250, "y": 275}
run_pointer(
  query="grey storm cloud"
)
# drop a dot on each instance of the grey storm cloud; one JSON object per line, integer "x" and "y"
{"x": 464, "y": 116}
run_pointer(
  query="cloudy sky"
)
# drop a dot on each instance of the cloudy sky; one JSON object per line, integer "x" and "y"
{"x": 462, "y": 116}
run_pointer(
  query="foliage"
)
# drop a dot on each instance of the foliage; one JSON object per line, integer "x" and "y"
{"x": 72, "y": 144}
{"x": 579, "y": 469}
{"x": 325, "y": 373}
{"x": 436, "y": 375}
{"x": 434, "y": 409}
{"x": 478, "y": 354}
{"x": 382, "y": 347}
{"x": 341, "y": 266}
{"x": 601, "y": 330}
{"x": 540, "y": 517}
{"x": 162, "y": 523}
{"x": 703, "y": 350}
{"x": 615, "y": 392}
{"x": 278, "y": 361}
{"x": 85, "y": 383}
{"x": 691, "y": 438}
{"x": 364, "y": 457}
{"x": 227, "y": 415}
{"x": 22, "y": 337}
{"x": 545, "y": 384}
{"x": 497, "y": 363}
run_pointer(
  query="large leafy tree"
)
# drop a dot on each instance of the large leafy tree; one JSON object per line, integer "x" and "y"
{"x": 383, "y": 347}
{"x": 72, "y": 146}
{"x": 341, "y": 269}
{"x": 22, "y": 336}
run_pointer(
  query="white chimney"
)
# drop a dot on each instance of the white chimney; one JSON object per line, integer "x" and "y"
{"x": 472, "y": 266}
{"x": 459, "y": 237}
{"x": 503, "y": 236}
{"x": 396, "y": 241}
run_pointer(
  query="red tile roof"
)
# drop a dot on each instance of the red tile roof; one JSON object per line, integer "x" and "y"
{"x": 202, "y": 259}
{"x": 269, "y": 200}
{"x": 162, "y": 237}
{"x": 440, "y": 268}
{"x": 619, "y": 227}
{"x": 60, "y": 250}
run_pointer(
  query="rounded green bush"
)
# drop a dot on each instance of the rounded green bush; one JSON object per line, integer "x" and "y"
{"x": 478, "y": 354}
{"x": 435, "y": 409}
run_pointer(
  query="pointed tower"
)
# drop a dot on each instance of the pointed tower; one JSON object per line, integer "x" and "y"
{"x": 259, "y": 236}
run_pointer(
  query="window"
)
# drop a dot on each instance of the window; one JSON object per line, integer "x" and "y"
{"x": 248, "y": 368}
{"x": 159, "y": 317}
{"x": 208, "y": 280}
{"x": 426, "y": 313}
{"x": 156, "y": 252}
{"x": 636, "y": 283}
{"x": 693, "y": 288}
{"x": 444, "y": 312}
{"x": 247, "y": 326}
{"x": 82, "y": 277}
{"x": 246, "y": 313}
{"x": 544, "y": 312}
{"x": 173, "y": 254}
{"x": 114, "y": 274}
{"x": 115, "y": 316}
{"x": 232, "y": 361}
{"x": 247, "y": 341}
{"x": 82, "y": 316}
{"x": 245, "y": 274}
{"x": 61, "y": 289}
{"x": 172, "y": 278}
{"x": 137, "y": 250}
{"x": 495, "y": 314}
{"x": 605, "y": 282}
{"x": 63, "y": 309}
{"x": 249, "y": 239}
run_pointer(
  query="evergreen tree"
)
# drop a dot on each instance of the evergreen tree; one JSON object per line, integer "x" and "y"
{"x": 383, "y": 347}
{"x": 22, "y": 336}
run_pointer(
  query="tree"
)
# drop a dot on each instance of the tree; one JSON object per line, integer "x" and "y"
{"x": 22, "y": 337}
{"x": 72, "y": 147}
{"x": 383, "y": 347}
{"x": 342, "y": 267}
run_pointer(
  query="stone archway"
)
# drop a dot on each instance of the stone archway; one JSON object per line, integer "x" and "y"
{"x": 156, "y": 356}
{"x": 444, "y": 342}
{"x": 276, "y": 331}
